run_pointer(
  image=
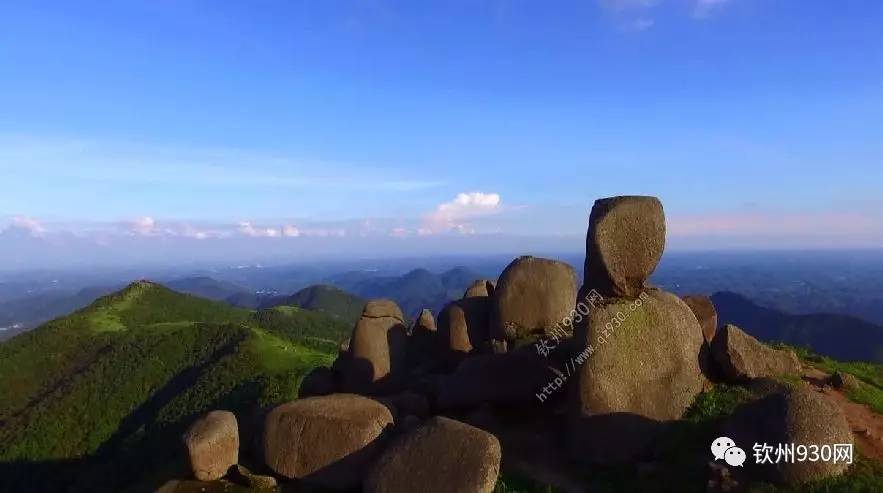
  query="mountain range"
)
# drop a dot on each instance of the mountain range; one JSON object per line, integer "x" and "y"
{"x": 839, "y": 336}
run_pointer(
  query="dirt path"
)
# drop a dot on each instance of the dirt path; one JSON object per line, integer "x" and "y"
{"x": 867, "y": 426}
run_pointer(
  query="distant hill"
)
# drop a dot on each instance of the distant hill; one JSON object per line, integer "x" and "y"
{"x": 207, "y": 287}
{"x": 839, "y": 336}
{"x": 97, "y": 400}
{"x": 29, "y": 311}
{"x": 414, "y": 290}
{"x": 324, "y": 299}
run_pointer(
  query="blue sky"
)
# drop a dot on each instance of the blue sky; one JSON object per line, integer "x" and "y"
{"x": 759, "y": 124}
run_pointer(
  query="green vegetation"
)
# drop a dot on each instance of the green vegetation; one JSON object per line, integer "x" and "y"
{"x": 311, "y": 329}
{"x": 871, "y": 374}
{"x": 98, "y": 399}
{"x": 330, "y": 301}
{"x": 510, "y": 484}
{"x": 865, "y": 476}
{"x": 683, "y": 454}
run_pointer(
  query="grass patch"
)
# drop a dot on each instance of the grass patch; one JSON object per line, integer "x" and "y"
{"x": 717, "y": 403}
{"x": 511, "y": 484}
{"x": 865, "y": 476}
{"x": 871, "y": 374}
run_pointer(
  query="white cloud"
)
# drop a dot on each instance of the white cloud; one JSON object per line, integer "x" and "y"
{"x": 399, "y": 232}
{"x": 191, "y": 232}
{"x": 455, "y": 216}
{"x": 249, "y": 230}
{"x": 325, "y": 232}
{"x": 144, "y": 226}
{"x": 290, "y": 231}
{"x": 27, "y": 225}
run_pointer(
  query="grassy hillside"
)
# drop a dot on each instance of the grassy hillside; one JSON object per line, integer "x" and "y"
{"x": 99, "y": 398}
{"x": 33, "y": 310}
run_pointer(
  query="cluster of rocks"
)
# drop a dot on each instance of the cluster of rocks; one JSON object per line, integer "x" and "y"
{"x": 442, "y": 405}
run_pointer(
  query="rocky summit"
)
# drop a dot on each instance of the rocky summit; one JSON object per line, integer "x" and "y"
{"x": 535, "y": 374}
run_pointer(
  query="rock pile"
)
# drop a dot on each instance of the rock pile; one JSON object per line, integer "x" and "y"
{"x": 532, "y": 362}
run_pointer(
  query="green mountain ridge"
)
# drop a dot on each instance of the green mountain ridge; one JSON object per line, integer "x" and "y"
{"x": 96, "y": 399}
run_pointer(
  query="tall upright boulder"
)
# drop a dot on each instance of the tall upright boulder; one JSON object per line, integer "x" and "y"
{"x": 425, "y": 322}
{"x": 533, "y": 296}
{"x": 453, "y": 330}
{"x": 703, "y": 308}
{"x": 464, "y": 324}
{"x": 376, "y": 357}
{"x": 479, "y": 288}
{"x": 706, "y": 314}
{"x": 328, "y": 441}
{"x": 624, "y": 243}
{"x": 212, "y": 445}
{"x": 639, "y": 368}
{"x": 423, "y": 341}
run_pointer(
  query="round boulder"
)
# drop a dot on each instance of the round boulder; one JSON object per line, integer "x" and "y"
{"x": 799, "y": 417}
{"x": 639, "y": 366}
{"x": 383, "y": 308}
{"x": 624, "y": 243}
{"x": 327, "y": 441}
{"x": 533, "y": 297}
{"x": 442, "y": 455}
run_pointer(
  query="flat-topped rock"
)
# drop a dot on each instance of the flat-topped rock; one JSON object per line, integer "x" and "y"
{"x": 328, "y": 441}
{"x": 741, "y": 357}
{"x": 383, "y": 308}
{"x": 441, "y": 456}
{"x": 625, "y": 241}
